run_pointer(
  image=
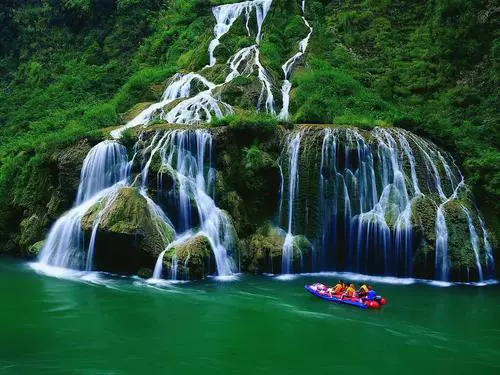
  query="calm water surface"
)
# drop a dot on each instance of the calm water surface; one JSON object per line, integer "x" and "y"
{"x": 256, "y": 325}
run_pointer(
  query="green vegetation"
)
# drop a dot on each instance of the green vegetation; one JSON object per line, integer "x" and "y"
{"x": 72, "y": 68}
{"x": 130, "y": 235}
{"x": 434, "y": 64}
{"x": 246, "y": 119}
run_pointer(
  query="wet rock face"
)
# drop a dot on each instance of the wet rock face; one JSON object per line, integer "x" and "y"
{"x": 262, "y": 251}
{"x": 355, "y": 164}
{"x": 248, "y": 176}
{"x": 31, "y": 232}
{"x": 193, "y": 258}
{"x": 247, "y": 163}
{"x": 69, "y": 164}
{"x": 50, "y": 191}
{"x": 129, "y": 236}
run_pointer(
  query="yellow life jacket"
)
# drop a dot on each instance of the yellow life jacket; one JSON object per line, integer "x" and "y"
{"x": 350, "y": 292}
{"x": 364, "y": 288}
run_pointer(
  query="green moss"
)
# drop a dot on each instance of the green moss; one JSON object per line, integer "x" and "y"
{"x": 217, "y": 73}
{"x": 134, "y": 111}
{"x": 129, "y": 215}
{"x": 460, "y": 252}
{"x": 35, "y": 249}
{"x": 302, "y": 247}
{"x": 193, "y": 256}
{"x": 31, "y": 231}
{"x": 262, "y": 248}
{"x": 242, "y": 92}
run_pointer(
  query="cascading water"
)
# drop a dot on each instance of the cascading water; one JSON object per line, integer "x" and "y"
{"x": 158, "y": 270}
{"x": 490, "y": 262}
{"x": 474, "y": 239}
{"x": 105, "y": 165}
{"x": 179, "y": 87}
{"x": 367, "y": 195}
{"x": 202, "y": 106}
{"x": 186, "y": 154}
{"x": 105, "y": 169}
{"x": 293, "y": 159}
{"x": 289, "y": 65}
{"x": 226, "y": 14}
{"x": 441, "y": 245}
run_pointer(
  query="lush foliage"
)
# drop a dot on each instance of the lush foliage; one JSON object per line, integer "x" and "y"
{"x": 69, "y": 68}
{"x": 435, "y": 62}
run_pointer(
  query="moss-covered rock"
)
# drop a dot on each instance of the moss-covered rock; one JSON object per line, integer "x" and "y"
{"x": 134, "y": 111}
{"x": 68, "y": 162}
{"x": 129, "y": 235}
{"x": 261, "y": 252}
{"x": 192, "y": 256}
{"x": 302, "y": 248}
{"x": 424, "y": 223}
{"x": 35, "y": 249}
{"x": 31, "y": 231}
{"x": 460, "y": 252}
{"x": 242, "y": 92}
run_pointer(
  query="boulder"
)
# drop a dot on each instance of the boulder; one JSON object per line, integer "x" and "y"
{"x": 35, "y": 249}
{"x": 69, "y": 164}
{"x": 193, "y": 258}
{"x": 261, "y": 252}
{"x": 31, "y": 231}
{"x": 130, "y": 235}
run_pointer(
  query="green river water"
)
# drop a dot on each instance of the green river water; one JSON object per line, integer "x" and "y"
{"x": 256, "y": 325}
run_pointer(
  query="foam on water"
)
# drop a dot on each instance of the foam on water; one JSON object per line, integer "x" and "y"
{"x": 351, "y": 276}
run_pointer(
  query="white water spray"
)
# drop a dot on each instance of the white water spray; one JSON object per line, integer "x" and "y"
{"x": 104, "y": 170}
{"x": 474, "y": 241}
{"x": 292, "y": 150}
{"x": 187, "y": 154}
{"x": 226, "y": 14}
{"x": 289, "y": 65}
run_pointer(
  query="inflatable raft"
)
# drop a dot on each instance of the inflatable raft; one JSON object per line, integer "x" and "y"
{"x": 335, "y": 299}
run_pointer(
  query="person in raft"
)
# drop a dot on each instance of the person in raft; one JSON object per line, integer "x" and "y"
{"x": 362, "y": 291}
{"x": 337, "y": 289}
{"x": 350, "y": 292}
{"x": 320, "y": 288}
{"x": 371, "y": 295}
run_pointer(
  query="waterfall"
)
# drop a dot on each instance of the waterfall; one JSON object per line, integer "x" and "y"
{"x": 187, "y": 153}
{"x": 104, "y": 169}
{"x": 249, "y": 57}
{"x": 441, "y": 245}
{"x": 293, "y": 160}
{"x": 474, "y": 241}
{"x": 199, "y": 107}
{"x": 289, "y": 65}
{"x": 104, "y": 165}
{"x": 157, "y": 272}
{"x": 490, "y": 262}
{"x": 179, "y": 87}
{"x": 367, "y": 189}
{"x": 110, "y": 199}
{"x": 225, "y": 15}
